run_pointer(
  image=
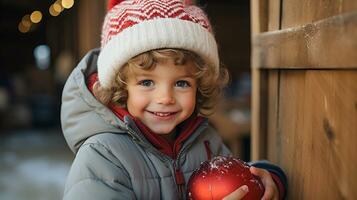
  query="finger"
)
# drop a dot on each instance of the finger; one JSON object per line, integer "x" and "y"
{"x": 268, "y": 193}
{"x": 258, "y": 172}
{"x": 238, "y": 193}
{"x": 271, "y": 191}
{"x": 263, "y": 174}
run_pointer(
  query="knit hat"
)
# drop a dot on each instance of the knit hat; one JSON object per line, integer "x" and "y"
{"x": 133, "y": 27}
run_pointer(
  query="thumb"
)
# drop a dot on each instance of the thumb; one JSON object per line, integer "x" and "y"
{"x": 238, "y": 193}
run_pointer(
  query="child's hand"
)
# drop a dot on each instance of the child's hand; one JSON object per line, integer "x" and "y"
{"x": 271, "y": 190}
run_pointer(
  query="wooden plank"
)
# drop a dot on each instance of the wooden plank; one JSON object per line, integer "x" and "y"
{"x": 318, "y": 114}
{"x": 290, "y": 127}
{"x": 301, "y": 12}
{"x": 333, "y": 98}
{"x": 273, "y": 145}
{"x": 259, "y": 114}
{"x": 259, "y": 23}
{"x": 259, "y": 16}
{"x": 328, "y": 44}
{"x": 274, "y": 15}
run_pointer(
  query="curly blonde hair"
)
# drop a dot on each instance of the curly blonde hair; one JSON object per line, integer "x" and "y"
{"x": 209, "y": 82}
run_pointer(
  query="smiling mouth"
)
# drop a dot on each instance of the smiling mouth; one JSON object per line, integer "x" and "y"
{"x": 163, "y": 114}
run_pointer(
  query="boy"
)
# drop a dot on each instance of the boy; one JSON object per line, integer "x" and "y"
{"x": 132, "y": 112}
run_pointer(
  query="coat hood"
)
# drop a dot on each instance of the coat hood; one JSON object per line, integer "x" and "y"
{"x": 82, "y": 116}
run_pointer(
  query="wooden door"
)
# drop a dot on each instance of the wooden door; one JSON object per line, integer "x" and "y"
{"x": 304, "y": 63}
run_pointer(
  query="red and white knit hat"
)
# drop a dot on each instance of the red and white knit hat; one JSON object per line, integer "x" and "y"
{"x": 132, "y": 27}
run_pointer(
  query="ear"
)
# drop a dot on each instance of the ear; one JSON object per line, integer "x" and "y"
{"x": 112, "y": 3}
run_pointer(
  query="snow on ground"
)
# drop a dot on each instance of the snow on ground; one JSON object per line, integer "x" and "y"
{"x": 33, "y": 165}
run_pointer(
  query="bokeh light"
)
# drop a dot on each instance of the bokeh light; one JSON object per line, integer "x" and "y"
{"x": 52, "y": 11}
{"x": 22, "y": 28}
{"x": 57, "y": 7}
{"x": 36, "y": 16}
{"x": 26, "y": 21}
{"x": 42, "y": 55}
{"x": 67, "y": 3}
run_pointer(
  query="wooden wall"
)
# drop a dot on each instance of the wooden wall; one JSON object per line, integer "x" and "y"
{"x": 304, "y": 63}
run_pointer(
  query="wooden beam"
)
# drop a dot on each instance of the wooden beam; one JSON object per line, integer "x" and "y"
{"x": 327, "y": 44}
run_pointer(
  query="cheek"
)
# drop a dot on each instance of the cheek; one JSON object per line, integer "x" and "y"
{"x": 136, "y": 103}
{"x": 188, "y": 102}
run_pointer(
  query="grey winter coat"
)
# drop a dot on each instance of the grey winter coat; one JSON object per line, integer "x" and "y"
{"x": 113, "y": 159}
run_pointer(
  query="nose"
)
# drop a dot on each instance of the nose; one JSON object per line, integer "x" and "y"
{"x": 165, "y": 96}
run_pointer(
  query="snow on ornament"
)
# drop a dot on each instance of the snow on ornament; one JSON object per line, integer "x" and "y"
{"x": 220, "y": 176}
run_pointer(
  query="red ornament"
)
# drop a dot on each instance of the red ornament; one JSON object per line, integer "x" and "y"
{"x": 220, "y": 176}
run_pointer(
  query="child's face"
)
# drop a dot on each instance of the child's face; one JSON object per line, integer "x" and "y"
{"x": 162, "y": 97}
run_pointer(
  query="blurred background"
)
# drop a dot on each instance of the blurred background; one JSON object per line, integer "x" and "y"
{"x": 42, "y": 41}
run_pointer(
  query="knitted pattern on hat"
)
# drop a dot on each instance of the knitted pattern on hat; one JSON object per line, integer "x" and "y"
{"x": 133, "y": 27}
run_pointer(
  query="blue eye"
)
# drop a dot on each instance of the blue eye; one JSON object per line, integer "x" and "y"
{"x": 146, "y": 83}
{"x": 182, "y": 84}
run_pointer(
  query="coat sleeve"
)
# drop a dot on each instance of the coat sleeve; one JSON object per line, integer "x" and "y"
{"x": 277, "y": 174}
{"x": 97, "y": 174}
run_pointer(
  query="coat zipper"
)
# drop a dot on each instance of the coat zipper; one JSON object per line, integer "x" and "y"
{"x": 179, "y": 176}
{"x": 180, "y": 181}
